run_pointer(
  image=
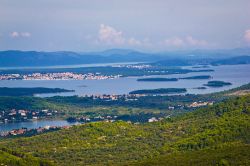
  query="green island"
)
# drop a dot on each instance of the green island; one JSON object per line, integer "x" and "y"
{"x": 198, "y": 67}
{"x": 202, "y": 87}
{"x": 217, "y": 84}
{"x": 159, "y": 91}
{"x": 4, "y": 91}
{"x": 157, "y": 79}
{"x": 201, "y": 77}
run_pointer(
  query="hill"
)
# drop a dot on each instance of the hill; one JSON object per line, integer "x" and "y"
{"x": 215, "y": 135}
{"x": 233, "y": 61}
{"x": 12, "y": 158}
{"x": 189, "y": 61}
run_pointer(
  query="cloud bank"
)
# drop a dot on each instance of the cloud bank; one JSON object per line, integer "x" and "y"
{"x": 188, "y": 41}
{"x": 109, "y": 35}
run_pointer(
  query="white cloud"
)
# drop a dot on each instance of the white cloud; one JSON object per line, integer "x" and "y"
{"x": 25, "y": 34}
{"x": 188, "y": 41}
{"x": 175, "y": 41}
{"x": 110, "y": 35}
{"x": 134, "y": 42}
{"x": 14, "y": 34}
{"x": 247, "y": 36}
{"x": 20, "y": 34}
{"x": 195, "y": 42}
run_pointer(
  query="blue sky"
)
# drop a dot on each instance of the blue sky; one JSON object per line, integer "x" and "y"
{"x": 150, "y": 25}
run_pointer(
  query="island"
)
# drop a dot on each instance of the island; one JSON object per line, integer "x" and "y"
{"x": 201, "y": 77}
{"x": 5, "y": 91}
{"x": 159, "y": 91}
{"x": 217, "y": 84}
{"x": 198, "y": 67}
{"x": 202, "y": 87}
{"x": 157, "y": 79}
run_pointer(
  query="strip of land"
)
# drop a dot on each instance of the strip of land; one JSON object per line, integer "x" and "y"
{"x": 5, "y": 91}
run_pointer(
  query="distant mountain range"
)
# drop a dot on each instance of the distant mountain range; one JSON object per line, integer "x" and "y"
{"x": 233, "y": 61}
{"x": 34, "y": 58}
{"x": 15, "y": 58}
{"x": 185, "y": 61}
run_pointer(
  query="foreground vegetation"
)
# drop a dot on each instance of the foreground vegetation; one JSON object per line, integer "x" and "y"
{"x": 13, "y": 158}
{"x": 217, "y": 134}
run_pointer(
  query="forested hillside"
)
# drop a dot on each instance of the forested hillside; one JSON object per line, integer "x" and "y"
{"x": 217, "y": 134}
{"x": 13, "y": 158}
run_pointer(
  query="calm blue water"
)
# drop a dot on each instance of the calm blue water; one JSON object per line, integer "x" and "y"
{"x": 33, "y": 124}
{"x": 236, "y": 74}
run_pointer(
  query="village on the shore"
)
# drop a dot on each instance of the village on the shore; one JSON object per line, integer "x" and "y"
{"x": 57, "y": 76}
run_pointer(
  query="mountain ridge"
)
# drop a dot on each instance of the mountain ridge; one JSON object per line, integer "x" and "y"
{"x": 16, "y": 58}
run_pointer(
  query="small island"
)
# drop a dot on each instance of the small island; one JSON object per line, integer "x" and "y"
{"x": 203, "y": 70}
{"x": 198, "y": 67}
{"x": 160, "y": 91}
{"x": 217, "y": 84}
{"x": 201, "y": 77}
{"x": 157, "y": 79}
{"x": 202, "y": 87}
{"x": 4, "y": 91}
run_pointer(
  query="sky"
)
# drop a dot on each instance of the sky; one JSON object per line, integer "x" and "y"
{"x": 149, "y": 25}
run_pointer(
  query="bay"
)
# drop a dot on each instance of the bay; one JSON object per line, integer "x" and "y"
{"x": 236, "y": 74}
{"x": 33, "y": 124}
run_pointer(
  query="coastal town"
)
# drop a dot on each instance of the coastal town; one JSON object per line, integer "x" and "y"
{"x": 75, "y": 121}
{"x": 15, "y": 115}
{"x": 57, "y": 76}
{"x": 70, "y": 75}
{"x": 135, "y": 66}
{"x": 20, "y": 115}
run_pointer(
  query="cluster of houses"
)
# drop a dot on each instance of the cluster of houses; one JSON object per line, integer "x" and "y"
{"x": 200, "y": 104}
{"x": 24, "y": 115}
{"x": 57, "y": 76}
{"x": 114, "y": 97}
{"x": 135, "y": 66}
{"x": 85, "y": 119}
{"x": 10, "y": 77}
